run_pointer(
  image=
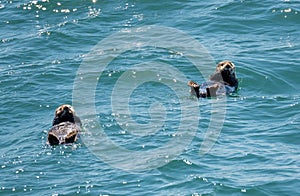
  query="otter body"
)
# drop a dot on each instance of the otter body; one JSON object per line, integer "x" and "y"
{"x": 223, "y": 81}
{"x": 65, "y": 126}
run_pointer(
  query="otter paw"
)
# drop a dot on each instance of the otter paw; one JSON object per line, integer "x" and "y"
{"x": 52, "y": 139}
{"x": 71, "y": 137}
{"x": 212, "y": 90}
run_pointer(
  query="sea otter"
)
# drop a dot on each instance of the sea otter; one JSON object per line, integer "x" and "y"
{"x": 65, "y": 126}
{"x": 223, "y": 81}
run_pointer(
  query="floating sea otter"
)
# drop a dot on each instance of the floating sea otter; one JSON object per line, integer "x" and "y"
{"x": 223, "y": 81}
{"x": 65, "y": 127}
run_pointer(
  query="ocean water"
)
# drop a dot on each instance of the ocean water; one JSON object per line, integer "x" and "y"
{"x": 124, "y": 66}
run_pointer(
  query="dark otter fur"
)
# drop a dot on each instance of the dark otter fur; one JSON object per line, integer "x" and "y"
{"x": 223, "y": 78}
{"x": 65, "y": 126}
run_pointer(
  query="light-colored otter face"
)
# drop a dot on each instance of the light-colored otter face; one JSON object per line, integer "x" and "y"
{"x": 225, "y": 73}
{"x": 65, "y": 110}
{"x": 227, "y": 67}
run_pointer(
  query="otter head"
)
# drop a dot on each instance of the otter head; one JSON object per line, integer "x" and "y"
{"x": 225, "y": 72}
{"x": 64, "y": 113}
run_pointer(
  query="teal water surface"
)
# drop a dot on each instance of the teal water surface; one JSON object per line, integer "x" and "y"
{"x": 44, "y": 43}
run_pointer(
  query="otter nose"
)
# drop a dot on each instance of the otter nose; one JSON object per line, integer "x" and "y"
{"x": 228, "y": 66}
{"x": 65, "y": 111}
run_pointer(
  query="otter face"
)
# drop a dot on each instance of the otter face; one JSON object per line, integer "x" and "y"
{"x": 226, "y": 70}
{"x": 64, "y": 113}
{"x": 226, "y": 67}
{"x": 64, "y": 110}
